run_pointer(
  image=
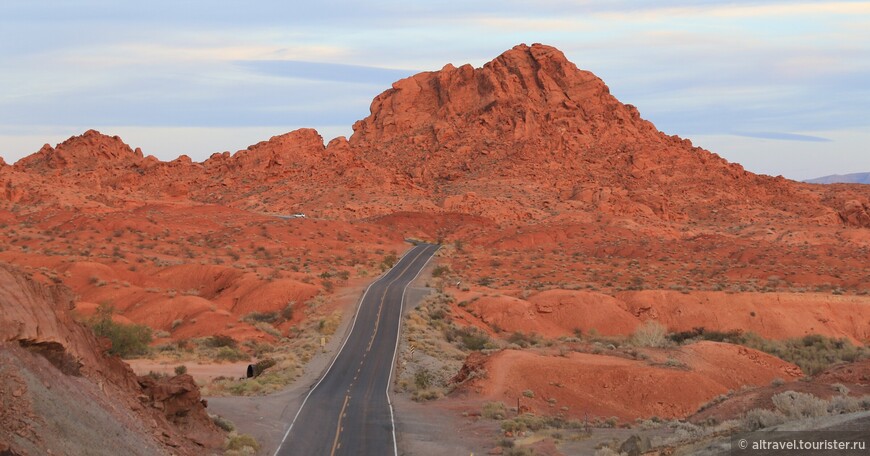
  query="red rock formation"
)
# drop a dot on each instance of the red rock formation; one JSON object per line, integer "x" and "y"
{"x": 525, "y": 137}
{"x": 531, "y": 127}
{"x": 36, "y": 318}
{"x": 856, "y": 213}
{"x": 87, "y": 152}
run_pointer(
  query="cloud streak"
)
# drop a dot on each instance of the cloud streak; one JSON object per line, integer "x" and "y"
{"x": 782, "y": 136}
{"x": 319, "y": 71}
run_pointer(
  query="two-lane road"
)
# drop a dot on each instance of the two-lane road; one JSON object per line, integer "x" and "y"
{"x": 348, "y": 412}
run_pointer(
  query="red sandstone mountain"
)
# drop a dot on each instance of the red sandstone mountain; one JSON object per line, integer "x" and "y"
{"x": 87, "y": 152}
{"x": 526, "y": 137}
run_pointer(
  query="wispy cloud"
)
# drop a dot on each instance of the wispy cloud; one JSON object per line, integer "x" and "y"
{"x": 782, "y": 136}
{"x": 319, "y": 71}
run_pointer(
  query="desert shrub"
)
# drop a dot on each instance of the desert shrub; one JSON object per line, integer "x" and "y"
{"x": 261, "y": 317}
{"x": 470, "y": 338}
{"x": 157, "y": 375}
{"x": 230, "y": 354}
{"x": 799, "y": 405}
{"x": 440, "y": 271}
{"x": 127, "y": 340}
{"x": 329, "y": 325}
{"x": 389, "y": 261}
{"x": 241, "y": 442}
{"x": 513, "y": 426}
{"x": 180, "y": 370}
{"x": 812, "y": 353}
{"x": 756, "y": 419}
{"x": 533, "y": 422}
{"x": 268, "y": 329}
{"x": 840, "y": 388}
{"x": 223, "y": 423}
{"x": 423, "y": 378}
{"x": 844, "y": 404}
{"x": 650, "y": 334}
{"x": 220, "y": 340}
{"x": 287, "y": 311}
{"x": 673, "y": 362}
{"x": 506, "y": 443}
{"x": 701, "y": 333}
{"x": 494, "y": 410}
{"x": 523, "y": 340}
{"x": 426, "y": 395}
{"x": 529, "y": 393}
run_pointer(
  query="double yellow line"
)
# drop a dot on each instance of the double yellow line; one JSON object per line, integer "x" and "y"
{"x": 338, "y": 428}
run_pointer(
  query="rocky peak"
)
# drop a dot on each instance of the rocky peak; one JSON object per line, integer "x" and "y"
{"x": 526, "y": 92}
{"x": 528, "y": 106}
{"x": 299, "y": 147}
{"x": 86, "y": 152}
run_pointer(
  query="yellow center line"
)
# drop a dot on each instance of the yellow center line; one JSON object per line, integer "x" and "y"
{"x": 384, "y": 297}
{"x": 338, "y": 426}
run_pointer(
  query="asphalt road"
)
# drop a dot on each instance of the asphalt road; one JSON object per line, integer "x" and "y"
{"x": 348, "y": 411}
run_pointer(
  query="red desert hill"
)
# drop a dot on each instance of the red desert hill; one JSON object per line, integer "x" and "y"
{"x": 527, "y": 137}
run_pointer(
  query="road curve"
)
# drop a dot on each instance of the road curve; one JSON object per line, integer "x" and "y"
{"x": 348, "y": 412}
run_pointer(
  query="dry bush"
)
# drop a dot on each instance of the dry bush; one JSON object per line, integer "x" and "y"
{"x": 799, "y": 405}
{"x": 650, "y": 334}
{"x": 494, "y": 410}
{"x": 844, "y": 404}
{"x": 756, "y": 419}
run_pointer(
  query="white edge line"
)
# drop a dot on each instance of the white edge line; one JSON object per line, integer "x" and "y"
{"x": 325, "y": 373}
{"x": 396, "y": 350}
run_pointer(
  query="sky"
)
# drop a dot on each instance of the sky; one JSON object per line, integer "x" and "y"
{"x": 782, "y": 87}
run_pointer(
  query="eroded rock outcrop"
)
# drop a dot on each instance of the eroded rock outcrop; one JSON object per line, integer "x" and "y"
{"x": 56, "y": 376}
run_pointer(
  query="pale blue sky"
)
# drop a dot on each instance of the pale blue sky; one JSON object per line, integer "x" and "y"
{"x": 781, "y": 87}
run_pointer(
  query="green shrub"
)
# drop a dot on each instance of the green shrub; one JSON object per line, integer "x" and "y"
{"x": 700, "y": 333}
{"x": 523, "y": 340}
{"x": 180, "y": 370}
{"x": 494, "y": 410}
{"x": 261, "y": 317}
{"x": 812, "y": 353}
{"x": 220, "y": 340}
{"x": 470, "y": 338}
{"x": 440, "y": 271}
{"x": 231, "y": 354}
{"x": 127, "y": 340}
{"x": 423, "y": 378}
{"x": 223, "y": 423}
